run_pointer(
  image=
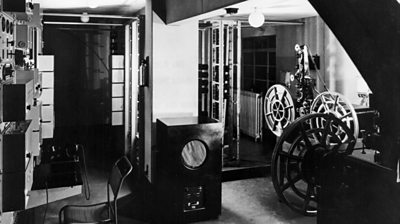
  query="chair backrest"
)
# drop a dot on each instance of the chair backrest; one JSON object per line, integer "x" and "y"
{"x": 120, "y": 170}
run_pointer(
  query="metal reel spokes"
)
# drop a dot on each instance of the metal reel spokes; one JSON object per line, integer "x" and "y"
{"x": 279, "y": 108}
{"x": 296, "y": 163}
{"x": 337, "y": 105}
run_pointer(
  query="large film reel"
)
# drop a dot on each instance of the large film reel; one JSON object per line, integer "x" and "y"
{"x": 296, "y": 157}
{"x": 279, "y": 108}
{"x": 337, "y": 105}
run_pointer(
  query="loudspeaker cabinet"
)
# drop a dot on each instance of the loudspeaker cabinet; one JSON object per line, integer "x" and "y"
{"x": 188, "y": 165}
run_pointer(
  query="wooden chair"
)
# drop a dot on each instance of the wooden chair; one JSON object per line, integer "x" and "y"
{"x": 105, "y": 212}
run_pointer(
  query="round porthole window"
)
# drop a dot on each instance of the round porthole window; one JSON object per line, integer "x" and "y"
{"x": 194, "y": 154}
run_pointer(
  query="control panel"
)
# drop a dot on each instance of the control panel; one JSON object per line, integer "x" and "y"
{"x": 17, "y": 100}
{"x": 7, "y": 50}
{"x": 193, "y": 198}
{"x": 20, "y": 109}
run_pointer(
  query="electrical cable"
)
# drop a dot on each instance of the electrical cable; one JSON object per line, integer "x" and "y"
{"x": 85, "y": 179}
{"x": 318, "y": 73}
{"x": 90, "y": 48}
{"x": 47, "y": 202}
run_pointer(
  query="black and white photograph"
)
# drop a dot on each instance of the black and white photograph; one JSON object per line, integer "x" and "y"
{"x": 200, "y": 111}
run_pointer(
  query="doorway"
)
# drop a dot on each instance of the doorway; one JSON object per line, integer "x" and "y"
{"x": 235, "y": 70}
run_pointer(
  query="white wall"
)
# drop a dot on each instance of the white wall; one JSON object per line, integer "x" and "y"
{"x": 173, "y": 80}
{"x": 175, "y": 69}
{"x": 148, "y": 91}
{"x": 340, "y": 70}
{"x": 337, "y": 70}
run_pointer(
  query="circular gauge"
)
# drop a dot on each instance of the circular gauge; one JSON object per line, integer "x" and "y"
{"x": 11, "y": 28}
{"x": 3, "y": 24}
{"x": 8, "y": 26}
{"x": 194, "y": 154}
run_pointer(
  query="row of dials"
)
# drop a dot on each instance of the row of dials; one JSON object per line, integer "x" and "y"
{"x": 7, "y": 26}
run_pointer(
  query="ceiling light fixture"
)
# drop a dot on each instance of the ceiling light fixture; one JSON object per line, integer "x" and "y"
{"x": 92, "y": 4}
{"x": 256, "y": 19}
{"x": 85, "y": 17}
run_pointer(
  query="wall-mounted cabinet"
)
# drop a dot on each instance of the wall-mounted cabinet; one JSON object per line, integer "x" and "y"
{"x": 46, "y": 68}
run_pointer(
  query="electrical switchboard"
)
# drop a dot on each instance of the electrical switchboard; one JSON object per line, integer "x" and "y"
{"x": 7, "y": 50}
{"x": 20, "y": 88}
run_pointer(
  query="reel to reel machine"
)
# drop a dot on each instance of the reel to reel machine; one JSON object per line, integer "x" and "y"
{"x": 297, "y": 157}
{"x": 282, "y": 106}
{"x": 311, "y": 126}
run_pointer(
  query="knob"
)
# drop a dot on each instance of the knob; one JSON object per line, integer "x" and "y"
{"x": 21, "y": 44}
{"x": 10, "y": 43}
{"x": 10, "y": 53}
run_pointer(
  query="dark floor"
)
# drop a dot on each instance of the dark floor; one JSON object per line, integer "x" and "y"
{"x": 254, "y": 159}
{"x": 243, "y": 201}
{"x": 254, "y": 152}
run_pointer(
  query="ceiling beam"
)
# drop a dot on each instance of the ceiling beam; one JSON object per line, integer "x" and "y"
{"x": 90, "y": 15}
{"x": 81, "y": 24}
{"x": 171, "y": 11}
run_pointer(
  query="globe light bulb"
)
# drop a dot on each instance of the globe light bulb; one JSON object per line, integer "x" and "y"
{"x": 85, "y": 17}
{"x": 92, "y": 4}
{"x": 256, "y": 19}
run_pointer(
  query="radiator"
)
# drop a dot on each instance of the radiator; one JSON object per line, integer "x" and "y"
{"x": 251, "y": 114}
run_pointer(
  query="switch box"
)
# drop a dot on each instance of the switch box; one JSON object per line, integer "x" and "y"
{"x": 17, "y": 161}
{"x": 17, "y": 100}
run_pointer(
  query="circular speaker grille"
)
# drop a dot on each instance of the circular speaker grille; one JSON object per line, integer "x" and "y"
{"x": 194, "y": 154}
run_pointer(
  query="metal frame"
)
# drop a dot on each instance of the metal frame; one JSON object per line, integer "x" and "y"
{"x": 111, "y": 205}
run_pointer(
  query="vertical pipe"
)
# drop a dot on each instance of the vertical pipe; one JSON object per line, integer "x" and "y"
{"x": 203, "y": 46}
{"x": 238, "y": 84}
{"x": 134, "y": 81}
{"x": 221, "y": 72}
{"x": 209, "y": 44}
{"x": 203, "y": 61}
{"x": 127, "y": 94}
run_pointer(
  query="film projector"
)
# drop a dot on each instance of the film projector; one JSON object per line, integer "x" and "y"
{"x": 309, "y": 129}
{"x": 282, "y": 105}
